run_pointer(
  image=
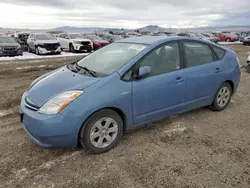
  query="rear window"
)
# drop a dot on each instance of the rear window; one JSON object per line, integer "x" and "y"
{"x": 219, "y": 52}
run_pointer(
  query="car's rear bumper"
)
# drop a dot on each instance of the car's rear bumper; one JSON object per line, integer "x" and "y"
{"x": 56, "y": 131}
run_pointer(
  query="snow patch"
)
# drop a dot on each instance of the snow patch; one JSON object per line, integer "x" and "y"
{"x": 29, "y": 67}
{"x": 229, "y": 43}
{"x": 6, "y": 112}
{"x": 30, "y": 56}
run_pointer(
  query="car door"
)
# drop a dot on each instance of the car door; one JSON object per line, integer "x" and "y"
{"x": 162, "y": 92}
{"x": 203, "y": 74}
{"x": 31, "y": 42}
{"x": 62, "y": 38}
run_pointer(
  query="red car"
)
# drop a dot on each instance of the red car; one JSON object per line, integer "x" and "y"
{"x": 98, "y": 42}
{"x": 226, "y": 37}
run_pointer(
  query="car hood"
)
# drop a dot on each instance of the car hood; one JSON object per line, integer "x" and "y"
{"x": 47, "y": 41}
{"x": 55, "y": 83}
{"x": 9, "y": 44}
{"x": 102, "y": 41}
{"x": 82, "y": 40}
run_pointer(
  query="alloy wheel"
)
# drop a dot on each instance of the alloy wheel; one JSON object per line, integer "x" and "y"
{"x": 223, "y": 97}
{"x": 104, "y": 132}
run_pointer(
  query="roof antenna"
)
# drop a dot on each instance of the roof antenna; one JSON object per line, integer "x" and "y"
{"x": 189, "y": 25}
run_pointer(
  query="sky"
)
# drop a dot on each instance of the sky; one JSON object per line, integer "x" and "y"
{"x": 131, "y": 14}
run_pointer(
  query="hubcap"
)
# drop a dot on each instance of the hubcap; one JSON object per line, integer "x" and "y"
{"x": 104, "y": 132}
{"x": 223, "y": 97}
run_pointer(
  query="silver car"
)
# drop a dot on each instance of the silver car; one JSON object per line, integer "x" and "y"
{"x": 246, "y": 40}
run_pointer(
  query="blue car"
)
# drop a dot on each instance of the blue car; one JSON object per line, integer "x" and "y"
{"x": 126, "y": 84}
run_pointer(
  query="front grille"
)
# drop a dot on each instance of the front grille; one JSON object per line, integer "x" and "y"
{"x": 9, "y": 48}
{"x": 50, "y": 47}
{"x": 30, "y": 105}
{"x": 85, "y": 43}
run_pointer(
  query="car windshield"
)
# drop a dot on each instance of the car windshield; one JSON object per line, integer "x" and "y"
{"x": 7, "y": 40}
{"x": 44, "y": 37}
{"x": 75, "y": 36}
{"x": 112, "y": 57}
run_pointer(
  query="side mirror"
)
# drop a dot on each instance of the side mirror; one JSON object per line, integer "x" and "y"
{"x": 144, "y": 71}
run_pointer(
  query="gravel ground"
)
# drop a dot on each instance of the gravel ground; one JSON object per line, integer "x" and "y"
{"x": 201, "y": 148}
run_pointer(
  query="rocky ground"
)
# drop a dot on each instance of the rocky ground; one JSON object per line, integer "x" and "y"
{"x": 201, "y": 148}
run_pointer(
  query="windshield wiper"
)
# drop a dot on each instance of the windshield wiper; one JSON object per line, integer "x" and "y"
{"x": 93, "y": 73}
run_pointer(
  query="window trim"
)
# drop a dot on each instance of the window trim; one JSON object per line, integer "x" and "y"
{"x": 218, "y": 59}
{"x": 135, "y": 67}
{"x": 198, "y": 42}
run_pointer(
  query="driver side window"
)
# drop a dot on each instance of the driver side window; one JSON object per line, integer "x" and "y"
{"x": 163, "y": 59}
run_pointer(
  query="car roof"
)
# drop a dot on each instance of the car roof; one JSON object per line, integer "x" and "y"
{"x": 151, "y": 39}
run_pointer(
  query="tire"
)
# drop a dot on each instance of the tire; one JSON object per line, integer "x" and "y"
{"x": 71, "y": 48}
{"x": 29, "y": 50}
{"x": 92, "y": 125}
{"x": 225, "y": 94}
{"x": 37, "y": 51}
{"x": 228, "y": 40}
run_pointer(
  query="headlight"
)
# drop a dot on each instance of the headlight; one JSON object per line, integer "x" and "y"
{"x": 59, "y": 102}
{"x": 77, "y": 42}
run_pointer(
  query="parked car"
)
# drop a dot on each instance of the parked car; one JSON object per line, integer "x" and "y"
{"x": 109, "y": 37}
{"x": 43, "y": 43}
{"x": 98, "y": 42}
{"x": 126, "y": 84}
{"x": 226, "y": 37}
{"x": 246, "y": 40}
{"x": 21, "y": 38}
{"x": 190, "y": 35}
{"x": 211, "y": 37}
{"x": 9, "y": 47}
{"x": 75, "y": 42}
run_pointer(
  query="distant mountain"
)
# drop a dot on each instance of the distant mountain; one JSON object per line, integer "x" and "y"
{"x": 85, "y": 29}
{"x": 152, "y": 28}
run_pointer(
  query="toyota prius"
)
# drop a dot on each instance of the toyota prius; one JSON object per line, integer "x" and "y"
{"x": 128, "y": 83}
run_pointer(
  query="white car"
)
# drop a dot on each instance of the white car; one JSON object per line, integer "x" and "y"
{"x": 75, "y": 42}
{"x": 246, "y": 41}
{"x": 43, "y": 43}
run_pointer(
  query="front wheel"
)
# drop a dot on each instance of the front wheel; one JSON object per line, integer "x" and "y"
{"x": 228, "y": 40}
{"x": 222, "y": 97}
{"x": 37, "y": 51}
{"x": 101, "y": 132}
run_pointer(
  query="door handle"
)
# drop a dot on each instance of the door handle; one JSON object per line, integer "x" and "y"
{"x": 178, "y": 80}
{"x": 218, "y": 70}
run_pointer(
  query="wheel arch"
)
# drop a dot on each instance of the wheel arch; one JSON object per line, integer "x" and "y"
{"x": 115, "y": 109}
{"x": 231, "y": 84}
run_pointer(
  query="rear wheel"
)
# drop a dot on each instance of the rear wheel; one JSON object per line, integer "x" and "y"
{"x": 228, "y": 40}
{"x": 222, "y": 97}
{"x": 101, "y": 132}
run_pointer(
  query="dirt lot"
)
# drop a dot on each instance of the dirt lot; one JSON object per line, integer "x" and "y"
{"x": 197, "y": 149}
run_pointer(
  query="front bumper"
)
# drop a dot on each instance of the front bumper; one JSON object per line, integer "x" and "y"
{"x": 49, "y": 131}
{"x": 80, "y": 47}
{"x": 246, "y": 42}
{"x": 44, "y": 51}
{"x": 11, "y": 53}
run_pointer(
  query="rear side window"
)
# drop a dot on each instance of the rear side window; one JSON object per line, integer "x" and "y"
{"x": 197, "y": 54}
{"x": 219, "y": 52}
